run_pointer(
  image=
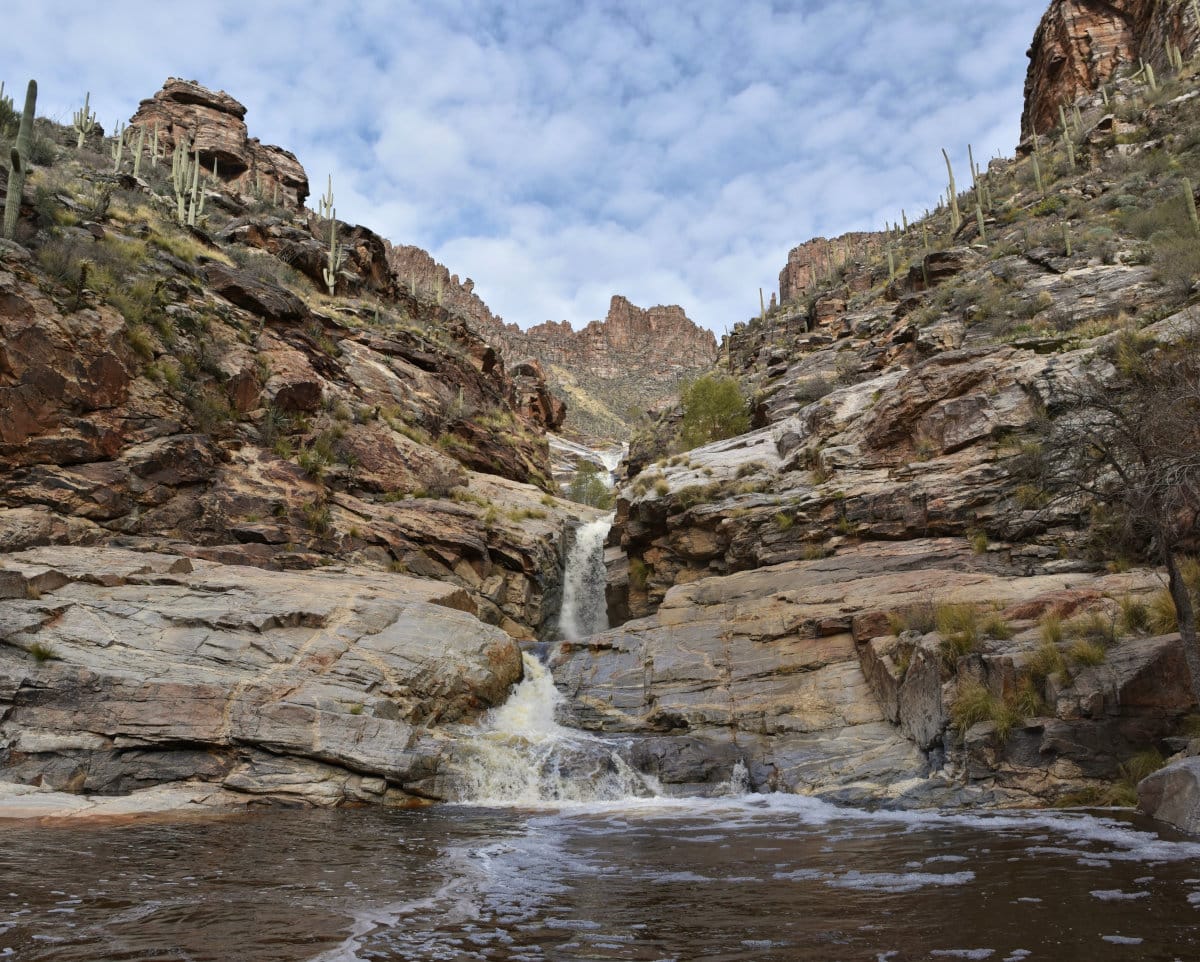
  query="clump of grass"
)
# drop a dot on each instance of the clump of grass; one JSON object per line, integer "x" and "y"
{"x": 1135, "y": 615}
{"x": 979, "y": 542}
{"x": 1046, "y": 662}
{"x": 639, "y": 573}
{"x": 42, "y": 652}
{"x": 959, "y": 627}
{"x": 1027, "y": 700}
{"x": 975, "y": 703}
{"x": 784, "y": 521}
{"x": 921, "y": 618}
{"x": 1093, "y": 626}
{"x": 1142, "y": 765}
{"x": 317, "y": 517}
{"x": 1087, "y": 653}
{"x": 661, "y": 487}
{"x": 995, "y": 625}
{"x": 1163, "y": 619}
{"x": 1051, "y": 628}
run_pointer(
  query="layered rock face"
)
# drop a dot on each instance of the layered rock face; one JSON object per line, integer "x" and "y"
{"x": 793, "y": 670}
{"x": 123, "y": 671}
{"x": 213, "y": 123}
{"x": 614, "y": 370}
{"x": 1080, "y": 45}
{"x": 892, "y": 407}
{"x": 214, "y": 401}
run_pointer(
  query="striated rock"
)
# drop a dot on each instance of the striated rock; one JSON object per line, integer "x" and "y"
{"x": 122, "y": 670}
{"x": 213, "y": 123}
{"x": 268, "y": 301}
{"x": 792, "y": 668}
{"x": 1080, "y": 44}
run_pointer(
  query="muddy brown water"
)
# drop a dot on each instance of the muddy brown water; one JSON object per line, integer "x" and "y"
{"x": 755, "y": 878}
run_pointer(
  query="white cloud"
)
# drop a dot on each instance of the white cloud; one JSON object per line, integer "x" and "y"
{"x": 558, "y": 153}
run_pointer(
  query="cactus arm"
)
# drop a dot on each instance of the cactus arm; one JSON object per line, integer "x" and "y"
{"x": 955, "y": 215}
{"x": 137, "y": 156}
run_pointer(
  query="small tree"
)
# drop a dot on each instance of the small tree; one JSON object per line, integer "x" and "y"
{"x": 713, "y": 409}
{"x": 587, "y": 487}
{"x": 1129, "y": 437}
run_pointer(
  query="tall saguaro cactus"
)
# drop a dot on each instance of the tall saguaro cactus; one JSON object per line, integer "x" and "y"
{"x": 19, "y": 163}
{"x": 952, "y": 196}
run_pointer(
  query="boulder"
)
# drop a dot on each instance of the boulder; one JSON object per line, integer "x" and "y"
{"x": 1172, "y": 795}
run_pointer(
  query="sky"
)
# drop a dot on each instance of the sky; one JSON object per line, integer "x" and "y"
{"x": 561, "y": 152}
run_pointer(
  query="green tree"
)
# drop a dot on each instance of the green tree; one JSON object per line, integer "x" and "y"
{"x": 587, "y": 487}
{"x": 713, "y": 408}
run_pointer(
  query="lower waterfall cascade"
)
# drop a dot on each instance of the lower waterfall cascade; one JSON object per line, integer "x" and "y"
{"x": 521, "y": 755}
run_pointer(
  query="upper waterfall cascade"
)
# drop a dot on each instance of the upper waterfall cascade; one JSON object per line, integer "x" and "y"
{"x": 584, "y": 607}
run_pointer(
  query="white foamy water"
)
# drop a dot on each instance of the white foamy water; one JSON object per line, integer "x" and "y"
{"x": 584, "y": 608}
{"x": 523, "y": 756}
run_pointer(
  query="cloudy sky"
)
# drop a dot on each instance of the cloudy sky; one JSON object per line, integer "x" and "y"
{"x": 560, "y": 152}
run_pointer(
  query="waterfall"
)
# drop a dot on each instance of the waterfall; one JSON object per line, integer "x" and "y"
{"x": 584, "y": 608}
{"x": 523, "y": 756}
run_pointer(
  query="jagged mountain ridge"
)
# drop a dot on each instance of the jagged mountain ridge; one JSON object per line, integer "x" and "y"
{"x": 609, "y": 373}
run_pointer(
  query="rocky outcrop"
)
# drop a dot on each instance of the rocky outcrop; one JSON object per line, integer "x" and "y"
{"x": 613, "y": 371}
{"x": 121, "y": 671}
{"x": 793, "y": 669}
{"x": 424, "y": 277}
{"x": 213, "y": 123}
{"x": 212, "y": 401}
{"x": 1081, "y": 44}
{"x": 819, "y": 259}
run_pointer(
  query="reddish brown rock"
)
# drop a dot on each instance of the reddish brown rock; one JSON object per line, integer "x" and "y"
{"x": 813, "y": 261}
{"x": 1080, "y": 44}
{"x": 422, "y": 276}
{"x": 213, "y": 122}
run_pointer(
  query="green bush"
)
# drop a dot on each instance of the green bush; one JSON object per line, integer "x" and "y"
{"x": 713, "y": 409}
{"x": 586, "y": 487}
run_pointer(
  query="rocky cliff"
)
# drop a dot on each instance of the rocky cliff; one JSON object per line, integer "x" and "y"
{"x": 1081, "y": 44}
{"x": 213, "y": 123}
{"x": 612, "y": 372}
{"x": 904, "y": 423}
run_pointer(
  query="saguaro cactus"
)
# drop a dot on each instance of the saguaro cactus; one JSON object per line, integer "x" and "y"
{"x": 19, "y": 163}
{"x": 952, "y": 196}
{"x": 84, "y": 120}
{"x": 1190, "y": 199}
{"x": 330, "y": 271}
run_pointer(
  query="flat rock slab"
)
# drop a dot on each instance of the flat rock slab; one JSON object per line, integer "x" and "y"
{"x": 1172, "y": 795}
{"x": 122, "y": 670}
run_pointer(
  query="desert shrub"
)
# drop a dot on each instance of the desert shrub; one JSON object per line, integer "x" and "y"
{"x": 812, "y": 389}
{"x": 317, "y": 516}
{"x": 713, "y": 409}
